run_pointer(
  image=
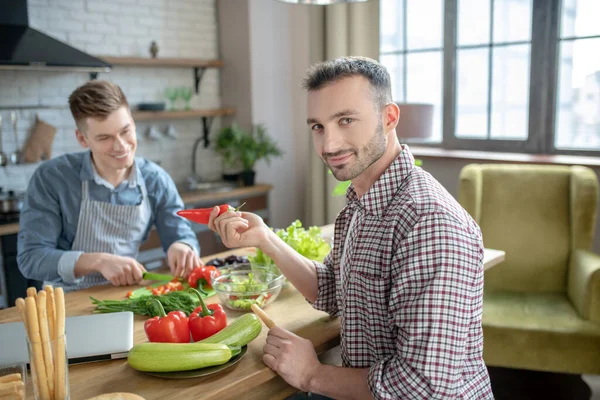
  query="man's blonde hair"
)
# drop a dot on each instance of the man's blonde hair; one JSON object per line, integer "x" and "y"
{"x": 95, "y": 99}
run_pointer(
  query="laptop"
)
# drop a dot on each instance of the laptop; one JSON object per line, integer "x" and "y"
{"x": 90, "y": 338}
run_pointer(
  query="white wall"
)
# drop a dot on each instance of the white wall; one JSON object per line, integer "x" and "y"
{"x": 182, "y": 28}
{"x": 267, "y": 88}
{"x": 279, "y": 48}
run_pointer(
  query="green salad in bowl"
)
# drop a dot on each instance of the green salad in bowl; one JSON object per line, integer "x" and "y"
{"x": 307, "y": 242}
{"x": 241, "y": 285}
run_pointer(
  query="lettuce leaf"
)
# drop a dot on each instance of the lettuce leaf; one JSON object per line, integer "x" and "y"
{"x": 307, "y": 242}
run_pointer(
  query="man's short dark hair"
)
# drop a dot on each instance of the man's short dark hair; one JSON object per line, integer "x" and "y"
{"x": 327, "y": 72}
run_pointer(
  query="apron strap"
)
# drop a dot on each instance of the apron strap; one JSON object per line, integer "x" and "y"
{"x": 84, "y": 190}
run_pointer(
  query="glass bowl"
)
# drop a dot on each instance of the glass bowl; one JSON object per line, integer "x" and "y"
{"x": 241, "y": 285}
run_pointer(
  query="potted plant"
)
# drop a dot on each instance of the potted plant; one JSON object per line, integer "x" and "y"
{"x": 227, "y": 143}
{"x": 241, "y": 149}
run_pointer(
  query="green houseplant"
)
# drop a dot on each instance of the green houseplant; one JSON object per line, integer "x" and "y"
{"x": 241, "y": 150}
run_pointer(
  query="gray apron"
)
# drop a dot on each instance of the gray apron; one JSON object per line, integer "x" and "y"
{"x": 108, "y": 228}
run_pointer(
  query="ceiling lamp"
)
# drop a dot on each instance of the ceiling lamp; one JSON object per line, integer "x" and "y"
{"x": 322, "y": 2}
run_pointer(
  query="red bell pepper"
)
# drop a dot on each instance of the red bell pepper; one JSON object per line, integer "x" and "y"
{"x": 196, "y": 275}
{"x": 206, "y": 320}
{"x": 167, "y": 328}
{"x": 200, "y": 276}
{"x": 201, "y": 215}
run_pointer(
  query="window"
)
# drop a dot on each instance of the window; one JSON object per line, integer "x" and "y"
{"x": 412, "y": 50}
{"x": 505, "y": 75}
{"x": 492, "y": 69}
{"x": 578, "y": 100}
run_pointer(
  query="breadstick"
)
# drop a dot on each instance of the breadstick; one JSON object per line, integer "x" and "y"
{"x": 51, "y": 309}
{"x": 9, "y": 378}
{"x": 37, "y": 356}
{"x": 11, "y": 387}
{"x": 19, "y": 395}
{"x": 46, "y": 344}
{"x": 20, "y": 303}
{"x": 60, "y": 362}
{"x": 31, "y": 292}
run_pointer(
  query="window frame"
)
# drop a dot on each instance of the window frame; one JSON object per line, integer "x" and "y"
{"x": 543, "y": 85}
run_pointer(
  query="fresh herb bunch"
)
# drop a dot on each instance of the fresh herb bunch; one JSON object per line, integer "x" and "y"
{"x": 173, "y": 301}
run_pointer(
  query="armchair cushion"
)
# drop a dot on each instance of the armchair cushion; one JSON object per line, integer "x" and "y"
{"x": 525, "y": 211}
{"x": 539, "y": 331}
{"x": 584, "y": 284}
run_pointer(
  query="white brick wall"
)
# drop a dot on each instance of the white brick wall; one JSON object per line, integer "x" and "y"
{"x": 182, "y": 28}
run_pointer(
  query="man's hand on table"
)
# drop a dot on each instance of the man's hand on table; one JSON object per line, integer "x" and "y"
{"x": 292, "y": 357}
{"x": 182, "y": 259}
{"x": 120, "y": 271}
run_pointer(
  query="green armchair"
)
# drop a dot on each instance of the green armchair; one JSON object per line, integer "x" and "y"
{"x": 541, "y": 307}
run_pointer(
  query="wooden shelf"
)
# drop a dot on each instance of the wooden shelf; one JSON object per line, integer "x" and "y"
{"x": 162, "y": 62}
{"x": 160, "y": 115}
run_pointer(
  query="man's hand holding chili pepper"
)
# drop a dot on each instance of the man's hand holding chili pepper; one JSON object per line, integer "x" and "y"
{"x": 238, "y": 229}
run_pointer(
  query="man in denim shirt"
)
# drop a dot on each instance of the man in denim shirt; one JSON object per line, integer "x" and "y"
{"x": 86, "y": 214}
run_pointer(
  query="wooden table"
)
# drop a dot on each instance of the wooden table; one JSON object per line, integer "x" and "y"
{"x": 248, "y": 379}
{"x": 492, "y": 257}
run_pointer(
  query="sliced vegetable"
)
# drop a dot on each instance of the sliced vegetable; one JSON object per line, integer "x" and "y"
{"x": 246, "y": 302}
{"x": 247, "y": 291}
{"x": 238, "y": 333}
{"x": 171, "y": 357}
{"x": 152, "y": 276}
{"x": 167, "y": 328}
{"x": 206, "y": 320}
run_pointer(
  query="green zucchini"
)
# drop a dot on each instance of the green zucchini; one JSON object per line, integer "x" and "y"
{"x": 238, "y": 333}
{"x": 171, "y": 357}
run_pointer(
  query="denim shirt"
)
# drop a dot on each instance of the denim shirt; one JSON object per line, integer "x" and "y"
{"x": 48, "y": 220}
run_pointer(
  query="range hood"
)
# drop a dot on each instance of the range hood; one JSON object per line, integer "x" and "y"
{"x": 23, "y": 47}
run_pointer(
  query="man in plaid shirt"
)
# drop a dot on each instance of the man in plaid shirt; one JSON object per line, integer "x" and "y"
{"x": 406, "y": 271}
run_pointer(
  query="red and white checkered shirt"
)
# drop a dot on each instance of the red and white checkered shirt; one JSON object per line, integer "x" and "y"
{"x": 411, "y": 297}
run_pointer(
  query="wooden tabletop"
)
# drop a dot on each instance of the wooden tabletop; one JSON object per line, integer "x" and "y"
{"x": 248, "y": 379}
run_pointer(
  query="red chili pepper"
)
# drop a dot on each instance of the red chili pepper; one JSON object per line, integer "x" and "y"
{"x": 206, "y": 320}
{"x": 200, "y": 215}
{"x": 167, "y": 328}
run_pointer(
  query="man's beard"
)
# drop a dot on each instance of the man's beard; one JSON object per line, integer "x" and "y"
{"x": 365, "y": 157}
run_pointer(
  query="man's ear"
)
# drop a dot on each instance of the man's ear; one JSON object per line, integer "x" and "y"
{"x": 81, "y": 139}
{"x": 390, "y": 115}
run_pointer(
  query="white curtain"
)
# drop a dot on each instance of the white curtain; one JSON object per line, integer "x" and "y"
{"x": 336, "y": 31}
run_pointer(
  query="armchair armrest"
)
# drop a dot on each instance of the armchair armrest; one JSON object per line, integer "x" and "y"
{"x": 584, "y": 284}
